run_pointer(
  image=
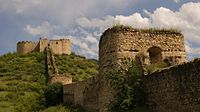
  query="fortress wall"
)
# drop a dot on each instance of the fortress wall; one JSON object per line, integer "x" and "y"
{"x": 176, "y": 89}
{"x": 68, "y": 93}
{"x": 66, "y": 46}
{"x": 56, "y": 46}
{"x": 26, "y": 47}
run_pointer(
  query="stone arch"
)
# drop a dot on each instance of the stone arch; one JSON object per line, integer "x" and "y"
{"x": 155, "y": 54}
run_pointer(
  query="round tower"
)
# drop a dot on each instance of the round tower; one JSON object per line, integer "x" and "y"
{"x": 155, "y": 46}
{"x": 24, "y": 47}
{"x": 152, "y": 46}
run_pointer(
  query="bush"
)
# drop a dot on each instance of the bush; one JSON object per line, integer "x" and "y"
{"x": 30, "y": 102}
{"x": 54, "y": 94}
{"x": 128, "y": 84}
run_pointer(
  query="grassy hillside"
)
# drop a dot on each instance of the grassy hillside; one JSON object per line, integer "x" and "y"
{"x": 78, "y": 67}
{"x": 23, "y": 81}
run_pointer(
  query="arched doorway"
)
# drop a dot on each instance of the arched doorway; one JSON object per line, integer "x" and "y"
{"x": 155, "y": 54}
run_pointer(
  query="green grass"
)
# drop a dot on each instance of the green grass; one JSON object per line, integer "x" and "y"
{"x": 78, "y": 67}
{"x": 21, "y": 75}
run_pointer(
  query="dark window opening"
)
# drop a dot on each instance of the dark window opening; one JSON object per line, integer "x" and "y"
{"x": 112, "y": 51}
{"x": 56, "y": 42}
{"x": 155, "y": 55}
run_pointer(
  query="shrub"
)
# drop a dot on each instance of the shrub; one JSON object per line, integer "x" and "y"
{"x": 128, "y": 84}
{"x": 30, "y": 102}
{"x": 54, "y": 94}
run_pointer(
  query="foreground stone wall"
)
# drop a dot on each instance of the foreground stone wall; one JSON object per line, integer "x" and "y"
{"x": 176, "y": 89}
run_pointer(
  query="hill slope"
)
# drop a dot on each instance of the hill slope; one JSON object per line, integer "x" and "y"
{"x": 78, "y": 67}
{"x": 23, "y": 81}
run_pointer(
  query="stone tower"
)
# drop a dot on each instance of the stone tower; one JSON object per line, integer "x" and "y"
{"x": 24, "y": 47}
{"x": 155, "y": 46}
{"x": 122, "y": 42}
{"x": 43, "y": 43}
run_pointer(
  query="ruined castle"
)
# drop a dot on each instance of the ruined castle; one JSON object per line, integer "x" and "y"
{"x": 174, "y": 89}
{"x": 61, "y": 46}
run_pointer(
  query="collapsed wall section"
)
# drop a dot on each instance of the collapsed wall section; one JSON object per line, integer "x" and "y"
{"x": 176, "y": 89}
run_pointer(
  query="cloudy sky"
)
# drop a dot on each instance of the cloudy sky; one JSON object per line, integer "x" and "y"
{"x": 83, "y": 21}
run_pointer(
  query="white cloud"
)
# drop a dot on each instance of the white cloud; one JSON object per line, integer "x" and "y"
{"x": 96, "y": 23}
{"x": 41, "y": 30}
{"x": 187, "y": 19}
{"x": 86, "y": 30}
{"x": 64, "y": 11}
{"x": 85, "y": 48}
{"x": 135, "y": 20}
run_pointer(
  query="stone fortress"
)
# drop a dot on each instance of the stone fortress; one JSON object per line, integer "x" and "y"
{"x": 173, "y": 89}
{"x": 61, "y": 46}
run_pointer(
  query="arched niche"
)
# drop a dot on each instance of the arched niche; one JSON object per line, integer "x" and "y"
{"x": 155, "y": 54}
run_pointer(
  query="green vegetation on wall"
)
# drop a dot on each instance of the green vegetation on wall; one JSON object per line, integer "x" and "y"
{"x": 128, "y": 84}
{"x": 119, "y": 27}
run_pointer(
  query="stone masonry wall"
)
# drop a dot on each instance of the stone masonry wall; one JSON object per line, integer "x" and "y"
{"x": 66, "y": 46}
{"x": 56, "y": 46}
{"x": 43, "y": 44}
{"x": 176, "y": 89}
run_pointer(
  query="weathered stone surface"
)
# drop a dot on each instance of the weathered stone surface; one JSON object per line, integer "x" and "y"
{"x": 176, "y": 89}
{"x": 84, "y": 93}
